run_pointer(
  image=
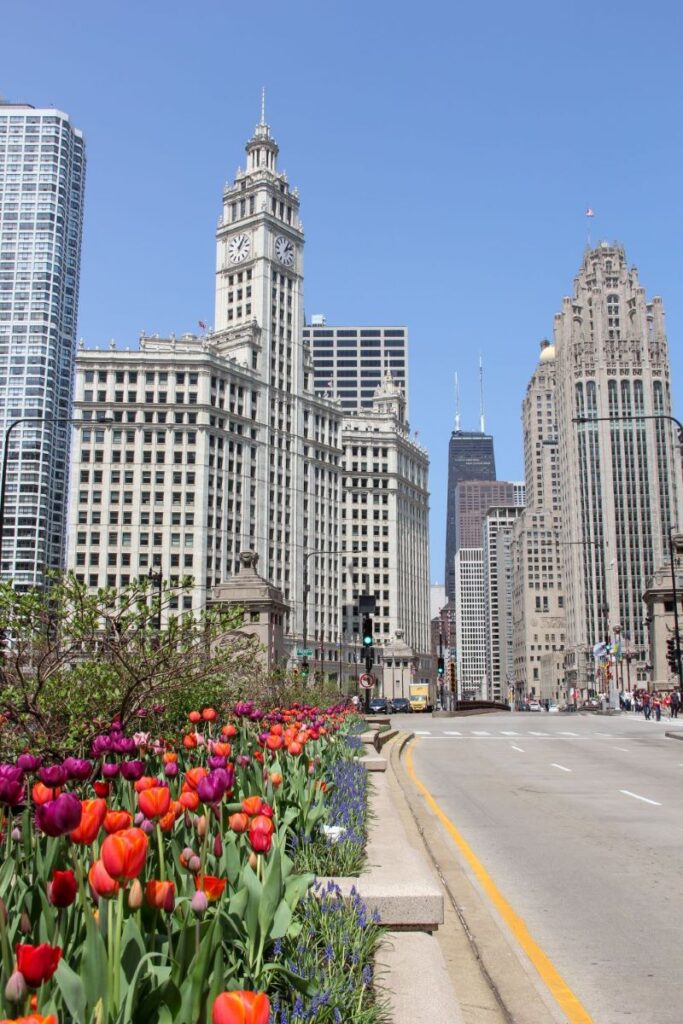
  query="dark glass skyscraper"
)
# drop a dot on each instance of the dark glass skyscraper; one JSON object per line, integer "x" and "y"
{"x": 470, "y": 457}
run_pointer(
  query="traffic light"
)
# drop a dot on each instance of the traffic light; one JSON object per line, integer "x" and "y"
{"x": 367, "y": 631}
{"x": 440, "y": 668}
{"x": 304, "y": 668}
{"x": 672, "y": 654}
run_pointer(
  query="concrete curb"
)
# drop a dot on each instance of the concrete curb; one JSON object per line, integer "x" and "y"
{"x": 674, "y": 735}
{"x": 412, "y": 967}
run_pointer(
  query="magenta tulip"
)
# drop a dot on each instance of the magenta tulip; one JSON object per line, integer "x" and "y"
{"x": 59, "y": 816}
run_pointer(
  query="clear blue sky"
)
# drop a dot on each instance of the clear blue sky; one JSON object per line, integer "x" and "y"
{"x": 445, "y": 154}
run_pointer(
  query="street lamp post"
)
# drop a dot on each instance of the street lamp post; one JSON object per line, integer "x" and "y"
{"x": 5, "y": 462}
{"x": 156, "y": 579}
{"x": 676, "y": 541}
{"x": 307, "y": 555}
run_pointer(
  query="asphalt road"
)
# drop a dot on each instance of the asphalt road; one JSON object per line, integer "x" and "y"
{"x": 579, "y": 821}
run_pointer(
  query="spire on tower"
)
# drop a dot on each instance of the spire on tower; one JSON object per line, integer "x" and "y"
{"x": 481, "y": 396}
{"x": 457, "y": 403}
{"x": 263, "y": 106}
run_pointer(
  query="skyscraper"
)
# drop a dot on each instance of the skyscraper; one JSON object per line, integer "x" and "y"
{"x": 470, "y": 457}
{"x": 619, "y": 481}
{"x": 42, "y": 174}
{"x": 350, "y": 363}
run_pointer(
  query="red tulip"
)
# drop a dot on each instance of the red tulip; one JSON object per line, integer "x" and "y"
{"x": 241, "y": 1007}
{"x": 194, "y": 716}
{"x": 123, "y": 853}
{"x": 193, "y": 777}
{"x": 154, "y": 803}
{"x": 101, "y": 788}
{"x": 262, "y": 822}
{"x": 189, "y": 799}
{"x": 115, "y": 821}
{"x": 229, "y": 730}
{"x": 61, "y": 891}
{"x": 160, "y": 895}
{"x": 37, "y": 963}
{"x": 93, "y": 814}
{"x": 260, "y": 840}
{"x": 212, "y": 886}
{"x": 238, "y": 822}
{"x": 33, "y": 1018}
{"x": 209, "y": 714}
{"x": 274, "y": 742}
{"x": 101, "y": 882}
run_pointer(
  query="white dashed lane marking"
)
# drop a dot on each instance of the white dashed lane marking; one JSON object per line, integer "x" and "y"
{"x": 539, "y": 733}
{"x": 517, "y": 748}
{"x": 422, "y": 732}
{"x": 446, "y": 733}
{"x": 504, "y": 733}
{"x": 480, "y": 732}
{"x": 645, "y": 799}
{"x": 568, "y": 734}
{"x": 561, "y": 767}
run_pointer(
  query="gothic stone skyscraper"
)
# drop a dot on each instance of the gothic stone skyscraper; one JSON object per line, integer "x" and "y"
{"x": 619, "y": 481}
{"x": 42, "y": 175}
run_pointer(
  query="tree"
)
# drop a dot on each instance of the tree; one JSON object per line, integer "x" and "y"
{"x": 72, "y": 661}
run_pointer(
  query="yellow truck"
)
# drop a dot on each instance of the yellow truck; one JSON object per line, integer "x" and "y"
{"x": 420, "y": 697}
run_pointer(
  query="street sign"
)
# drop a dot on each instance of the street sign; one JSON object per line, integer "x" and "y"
{"x": 304, "y": 652}
{"x": 367, "y": 680}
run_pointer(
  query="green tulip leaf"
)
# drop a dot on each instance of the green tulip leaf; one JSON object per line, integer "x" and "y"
{"x": 271, "y": 894}
{"x": 73, "y": 992}
{"x": 281, "y": 921}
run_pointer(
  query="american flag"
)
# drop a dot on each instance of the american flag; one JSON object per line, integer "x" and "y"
{"x": 589, "y": 212}
{"x": 202, "y": 324}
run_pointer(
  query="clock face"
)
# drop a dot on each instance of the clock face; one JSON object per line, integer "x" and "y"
{"x": 238, "y": 248}
{"x": 284, "y": 250}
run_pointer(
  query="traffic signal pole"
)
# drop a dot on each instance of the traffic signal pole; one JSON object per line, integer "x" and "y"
{"x": 677, "y": 635}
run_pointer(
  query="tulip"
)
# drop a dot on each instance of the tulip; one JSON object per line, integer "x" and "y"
{"x": 190, "y": 741}
{"x": 12, "y": 789}
{"x": 199, "y": 902}
{"x": 294, "y": 748}
{"x": 135, "y": 895}
{"x": 154, "y": 803}
{"x": 101, "y": 882}
{"x": 167, "y": 822}
{"x": 123, "y": 853}
{"x": 274, "y": 742}
{"x": 124, "y": 745}
{"x": 94, "y": 812}
{"x": 171, "y": 770}
{"x": 147, "y": 827}
{"x": 221, "y": 749}
{"x": 252, "y": 805}
{"x": 141, "y": 739}
{"x": 110, "y": 769}
{"x": 34, "y": 1018}
{"x": 194, "y": 716}
{"x": 193, "y": 777}
{"x": 212, "y": 787}
{"x": 16, "y": 834}
{"x": 54, "y": 775}
{"x": 101, "y": 789}
{"x": 216, "y": 761}
{"x": 212, "y": 886}
{"x": 189, "y": 800}
{"x": 115, "y": 821}
{"x": 37, "y": 963}
{"x": 59, "y": 816}
{"x": 160, "y": 895}
{"x": 61, "y": 891}
{"x": 260, "y": 840}
{"x": 194, "y": 863}
{"x": 243, "y": 760}
{"x": 240, "y": 1007}
{"x": 258, "y": 756}
{"x": 229, "y": 730}
{"x": 238, "y": 822}
{"x": 16, "y": 988}
{"x": 260, "y": 821}
{"x": 132, "y": 770}
{"x": 267, "y": 810}
{"x": 78, "y": 768}
{"x": 209, "y": 714}
{"x": 40, "y": 794}
{"x": 276, "y": 779}
{"x": 218, "y": 846}
{"x": 29, "y": 762}
{"x": 25, "y": 926}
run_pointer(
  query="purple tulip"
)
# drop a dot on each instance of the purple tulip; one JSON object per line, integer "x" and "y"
{"x": 262, "y": 737}
{"x": 243, "y": 760}
{"x": 215, "y": 761}
{"x": 110, "y": 769}
{"x": 158, "y": 709}
{"x": 229, "y": 776}
{"x": 53, "y": 775}
{"x": 243, "y": 708}
{"x": 217, "y": 846}
{"x": 59, "y": 816}
{"x": 171, "y": 770}
{"x": 78, "y": 768}
{"x": 212, "y": 786}
{"x": 12, "y": 790}
{"x": 100, "y": 745}
{"x": 139, "y": 818}
{"x": 199, "y": 902}
{"x": 132, "y": 770}
{"x": 147, "y": 826}
{"x": 141, "y": 712}
{"x": 29, "y": 762}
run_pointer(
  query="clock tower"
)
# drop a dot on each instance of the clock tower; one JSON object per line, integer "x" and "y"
{"x": 259, "y": 321}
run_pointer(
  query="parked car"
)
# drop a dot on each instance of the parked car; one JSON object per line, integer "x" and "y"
{"x": 553, "y": 708}
{"x": 379, "y": 706}
{"x": 400, "y": 705}
{"x": 533, "y": 705}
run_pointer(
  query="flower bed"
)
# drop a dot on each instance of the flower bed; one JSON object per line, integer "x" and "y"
{"x": 142, "y": 883}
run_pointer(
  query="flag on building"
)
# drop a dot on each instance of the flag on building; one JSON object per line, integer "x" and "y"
{"x": 202, "y": 324}
{"x": 589, "y": 212}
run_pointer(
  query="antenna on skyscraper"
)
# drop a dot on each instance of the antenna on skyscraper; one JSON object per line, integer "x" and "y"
{"x": 481, "y": 395}
{"x": 263, "y": 104}
{"x": 457, "y": 403}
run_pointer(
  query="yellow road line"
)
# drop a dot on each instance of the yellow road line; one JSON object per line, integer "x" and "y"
{"x": 563, "y": 995}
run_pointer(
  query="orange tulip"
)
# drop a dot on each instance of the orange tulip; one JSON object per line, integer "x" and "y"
{"x": 294, "y": 748}
{"x": 277, "y": 729}
{"x": 189, "y": 799}
{"x": 40, "y": 794}
{"x": 160, "y": 895}
{"x": 154, "y": 803}
{"x": 276, "y": 779}
{"x": 33, "y": 1018}
{"x": 101, "y": 882}
{"x": 189, "y": 741}
{"x": 193, "y": 775}
{"x": 222, "y": 749}
{"x": 212, "y": 886}
{"x": 252, "y": 804}
{"x": 123, "y": 853}
{"x": 168, "y": 820}
{"x": 170, "y": 755}
{"x": 238, "y": 822}
{"x": 229, "y": 730}
{"x": 94, "y": 812}
{"x": 262, "y": 822}
{"x": 274, "y": 742}
{"x": 241, "y": 1007}
{"x": 115, "y": 821}
{"x": 194, "y": 716}
{"x": 209, "y": 714}
{"x": 145, "y": 782}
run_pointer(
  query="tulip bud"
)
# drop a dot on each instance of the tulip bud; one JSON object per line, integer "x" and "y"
{"x": 16, "y": 835}
{"x": 25, "y": 924}
{"x": 16, "y": 989}
{"x": 194, "y": 863}
{"x": 186, "y": 854}
{"x": 199, "y": 902}
{"x": 135, "y": 895}
{"x": 147, "y": 827}
{"x": 202, "y": 826}
{"x": 217, "y": 846}
{"x": 253, "y": 861}
{"x": 171, "y": 770}
{"x": 139, "y": 818}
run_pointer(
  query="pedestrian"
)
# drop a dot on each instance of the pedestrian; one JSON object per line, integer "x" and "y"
{"x": 647, "y": 708}
{"x": 675, "y": 703}
{"x": 657, "y": 708}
